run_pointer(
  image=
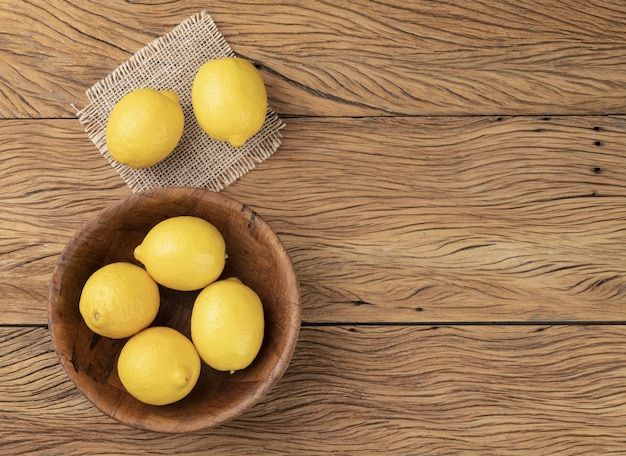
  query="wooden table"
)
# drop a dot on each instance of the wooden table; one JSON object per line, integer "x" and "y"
{"x": 451, "y": 187}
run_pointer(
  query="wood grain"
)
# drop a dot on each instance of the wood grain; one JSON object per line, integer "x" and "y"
{"x": 53, "y": 179}
{"x": 350, "y": 59}
{"x": 450, "y": 187}
{"x": 451, "y": 219}
{"x": 405, "y": 220}
{"x": 503, "y": 390}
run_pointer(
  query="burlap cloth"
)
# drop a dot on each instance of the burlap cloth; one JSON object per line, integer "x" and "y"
{"x": 170, "y": 63}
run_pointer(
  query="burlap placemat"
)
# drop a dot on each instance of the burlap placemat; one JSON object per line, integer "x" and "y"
{"x": 170, "y": 63}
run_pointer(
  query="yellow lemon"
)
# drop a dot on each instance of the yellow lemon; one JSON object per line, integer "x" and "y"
{"x": 119, "y": 300}
{"x": 229, "y": 99}
{"x": 158, "y": 366}
{"x": 227, "y": 325}
{"x": 183, "y": 253}
{"x": 144, "y": 127}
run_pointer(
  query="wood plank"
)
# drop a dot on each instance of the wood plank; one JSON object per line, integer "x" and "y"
{"x": 451, "y": 219}
{"x": 53, "y": 180}
{"x": 363, "y": 58}
{"x": 504, "y": 390}
{"x": 403, "y": 220}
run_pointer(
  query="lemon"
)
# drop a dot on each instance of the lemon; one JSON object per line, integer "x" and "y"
{"x": 158, "y": 366}
{"x": 227, "y": 325}
{"x": 144, "y": 127}
{"x": 119, "y": 300}
{"x": 183, "y": 253}
{"x": 229, "y": 99}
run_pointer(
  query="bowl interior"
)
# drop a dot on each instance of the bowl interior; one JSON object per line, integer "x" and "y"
{"x": 255, "y": 255}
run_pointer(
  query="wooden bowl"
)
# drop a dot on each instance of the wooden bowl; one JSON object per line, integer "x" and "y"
{"x": 255, "y": 255}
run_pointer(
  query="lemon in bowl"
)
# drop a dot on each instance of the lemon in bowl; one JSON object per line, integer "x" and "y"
{"x": 256, "y": 256}
{"x": 119, "y": 300}
{"x": 227, "y": 325}
{"x": 158, "y": 366}
{"x": 184, "y": 253}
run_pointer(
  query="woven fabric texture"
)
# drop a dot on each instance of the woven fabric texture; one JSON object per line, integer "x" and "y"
{"x": 170, "y": 63}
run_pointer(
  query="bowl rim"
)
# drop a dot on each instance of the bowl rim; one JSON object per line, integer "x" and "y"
{"x": 199, "y": 423}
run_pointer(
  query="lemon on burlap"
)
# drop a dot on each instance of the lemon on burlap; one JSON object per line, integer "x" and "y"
{"x": 183, "y": 253}
{"x": 158, "y": 366}
{"x": 119, "y": 300}
{"x": 229, "y": 99}
{"x": 144, "y": 127}
{"x": 227, "y": 325}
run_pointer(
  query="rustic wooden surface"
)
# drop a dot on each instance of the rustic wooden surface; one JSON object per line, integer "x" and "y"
{"x": 503, "y": 390}
{"x": 450, "y": 188}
